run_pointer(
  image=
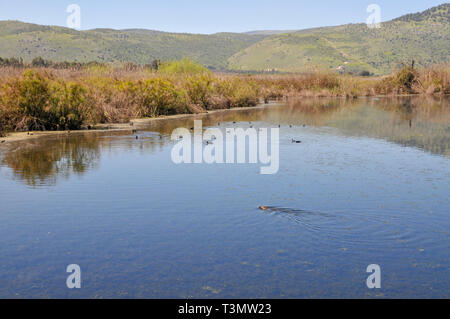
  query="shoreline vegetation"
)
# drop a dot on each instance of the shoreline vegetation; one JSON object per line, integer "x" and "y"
{"x": 43, "y": 96}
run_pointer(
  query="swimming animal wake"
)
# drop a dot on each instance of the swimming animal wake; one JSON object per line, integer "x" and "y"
{"x": 291, "y": 211}
{"x": 313, "y": 221}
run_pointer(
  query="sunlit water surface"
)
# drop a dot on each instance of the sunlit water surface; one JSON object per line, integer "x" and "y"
{"x": 369, "y": 184}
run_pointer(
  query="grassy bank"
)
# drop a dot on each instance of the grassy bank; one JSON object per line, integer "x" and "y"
{"x": 60, "y": 99}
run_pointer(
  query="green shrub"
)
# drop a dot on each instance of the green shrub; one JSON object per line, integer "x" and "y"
{"x": 238, "y": 92}
{"x": 37, "y": 102}
{"x": 184, "y": 66}
{"x": 159, "y": 97}
{"x": 68, "y": 106}
{"x": 28, "y": 98}
{"x": 199, "y": 90}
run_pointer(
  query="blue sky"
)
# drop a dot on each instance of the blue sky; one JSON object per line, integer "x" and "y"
{"x": 207, "y": 16}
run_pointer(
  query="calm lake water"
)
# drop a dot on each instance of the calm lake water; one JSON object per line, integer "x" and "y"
{"x": 369, "y": 184}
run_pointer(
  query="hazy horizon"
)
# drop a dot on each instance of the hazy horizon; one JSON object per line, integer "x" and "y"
{"x": 203, "y": 17}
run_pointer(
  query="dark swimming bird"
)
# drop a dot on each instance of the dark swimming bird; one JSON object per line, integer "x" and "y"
{"x": 137, "y": 137}
{"x": 290, "y": 125}
{"x": 296, "y": 141}
{"x": 134, "y": 131}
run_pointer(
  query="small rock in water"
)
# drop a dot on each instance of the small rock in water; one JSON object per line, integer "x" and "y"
{"x": 263, "y": 207}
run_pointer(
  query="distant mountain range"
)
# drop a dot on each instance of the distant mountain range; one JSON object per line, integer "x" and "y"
{"x": 424, "y": 37}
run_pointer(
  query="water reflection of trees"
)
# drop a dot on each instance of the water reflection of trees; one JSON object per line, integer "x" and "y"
{"x": 421, "y": 122}
{"x": 412, "y": 121}
{"x": 42, "y": 161}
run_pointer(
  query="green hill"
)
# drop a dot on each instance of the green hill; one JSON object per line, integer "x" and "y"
{"x": 424, "y": 37}
{"x": 18, "y": 39}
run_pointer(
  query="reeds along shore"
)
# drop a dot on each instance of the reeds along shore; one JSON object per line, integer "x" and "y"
{"x": 59, "y": 99}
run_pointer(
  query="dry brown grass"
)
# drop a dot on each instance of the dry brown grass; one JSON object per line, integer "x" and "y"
{"x": 52, "y": 99}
